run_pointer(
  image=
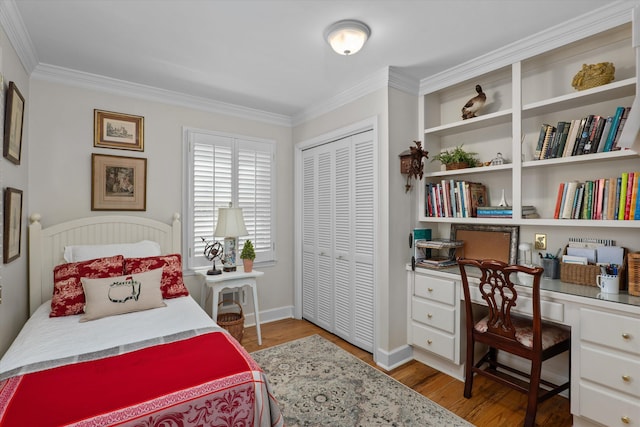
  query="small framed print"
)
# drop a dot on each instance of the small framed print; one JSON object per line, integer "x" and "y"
{"x": 13, "y": 118}
{"x": 12, "y": 224}
{"x": 118, "y": 183}
{"x": 117, "y": 130}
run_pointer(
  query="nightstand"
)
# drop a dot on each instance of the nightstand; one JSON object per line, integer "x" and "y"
{"x": 231, "y": 280}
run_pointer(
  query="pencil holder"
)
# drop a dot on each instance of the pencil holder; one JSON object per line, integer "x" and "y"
{"x": 551, "y": 268}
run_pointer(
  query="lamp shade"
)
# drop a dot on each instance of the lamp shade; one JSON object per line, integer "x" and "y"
{"x": 230, "y": 223}
{"x": 347, "y": 37}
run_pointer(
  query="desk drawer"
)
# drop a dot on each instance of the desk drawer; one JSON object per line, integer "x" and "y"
{"x": 549, "y": 310}
{"x": 608, "y": 409}
{"x": 619, "y": 332}
{"x": 435, "y": 288}
{"x": 619, "y": 373}
{"x": 433, "y": 314}
{"x": 433, "y": 340}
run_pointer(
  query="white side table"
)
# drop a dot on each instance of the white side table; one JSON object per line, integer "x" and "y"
{"x": 231, "y": 280}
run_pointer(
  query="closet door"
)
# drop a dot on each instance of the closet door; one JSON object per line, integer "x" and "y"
{"x": 337, "y": 238}
{"x": 363, "y": 240}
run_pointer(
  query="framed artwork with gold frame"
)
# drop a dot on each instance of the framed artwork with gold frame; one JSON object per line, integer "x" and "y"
{"x": 118, "y": 130}
{"x": 12, "y": 232}
{"x": 14, "y": 115}
{"x": 118, "y": 183}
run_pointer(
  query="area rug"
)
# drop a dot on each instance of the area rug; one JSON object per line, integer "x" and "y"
{"x": 317, "y": 383}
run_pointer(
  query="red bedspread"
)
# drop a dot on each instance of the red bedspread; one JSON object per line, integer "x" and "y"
{"x": 206, "y": 380}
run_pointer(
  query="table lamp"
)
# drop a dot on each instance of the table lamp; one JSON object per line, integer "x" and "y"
{"x": 230, "y": 226}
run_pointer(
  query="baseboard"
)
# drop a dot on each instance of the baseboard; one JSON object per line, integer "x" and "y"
{"x": 396, "y": 357}
{"x": 270, "y": 315}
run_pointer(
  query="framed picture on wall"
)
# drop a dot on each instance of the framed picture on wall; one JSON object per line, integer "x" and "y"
{"x": 12, "y": 224}
{"x": 117, "y": 130}
{"x": 14, "y": 115}
{"x": 118, "y": 183}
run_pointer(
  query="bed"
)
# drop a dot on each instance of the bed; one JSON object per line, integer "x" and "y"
{"x": 163, "y": 364}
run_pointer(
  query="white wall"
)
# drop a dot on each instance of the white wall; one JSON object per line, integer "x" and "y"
{"x": 61, "y": 128}
{"x": 13, "y": 276}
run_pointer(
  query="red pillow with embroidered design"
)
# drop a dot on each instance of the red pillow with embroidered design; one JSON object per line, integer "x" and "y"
{"x": 171, "y": 284}
{"x": 68, "y": 295}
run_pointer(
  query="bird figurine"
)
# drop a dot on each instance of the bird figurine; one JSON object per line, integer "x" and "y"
{"x": 474, "y": 104}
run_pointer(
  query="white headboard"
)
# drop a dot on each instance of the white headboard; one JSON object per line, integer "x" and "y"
{"x": 46, "y": 245}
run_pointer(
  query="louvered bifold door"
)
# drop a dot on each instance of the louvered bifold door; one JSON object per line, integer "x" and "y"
{"x": 363, "y": 205}
{"x": 309, "y": 259}
{"x": 343, "y": 242}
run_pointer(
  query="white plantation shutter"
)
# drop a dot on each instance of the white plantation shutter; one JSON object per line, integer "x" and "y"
{"x": 224, "y": 169}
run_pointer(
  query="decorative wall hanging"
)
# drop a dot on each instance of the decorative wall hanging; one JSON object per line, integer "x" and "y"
{"x": 12, "y": 224}
{"x": 14, "y": 114}
{"x": 411, "y": 163}
{"x": 118, "y": 183}
{"x": 117, "y": 130}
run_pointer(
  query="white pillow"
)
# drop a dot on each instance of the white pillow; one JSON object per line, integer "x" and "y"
{"x": 142, "y": 249}
{"x": 122, "y": 294}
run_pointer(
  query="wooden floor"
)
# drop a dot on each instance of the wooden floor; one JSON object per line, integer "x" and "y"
{"x": 492, "y": 405}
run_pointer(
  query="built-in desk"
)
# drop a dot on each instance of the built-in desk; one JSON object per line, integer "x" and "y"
{"x": 605, "y": 334}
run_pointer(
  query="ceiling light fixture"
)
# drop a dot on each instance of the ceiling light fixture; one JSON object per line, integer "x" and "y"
{"x": 348, "y": 36}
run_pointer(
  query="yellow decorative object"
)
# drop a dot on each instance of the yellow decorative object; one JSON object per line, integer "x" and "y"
{"x": 593, "y": 75}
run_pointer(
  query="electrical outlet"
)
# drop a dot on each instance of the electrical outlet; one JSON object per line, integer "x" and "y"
{"x": 540, "y": 242}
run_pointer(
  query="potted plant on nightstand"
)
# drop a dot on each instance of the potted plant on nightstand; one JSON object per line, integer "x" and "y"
{"x": 456, "y": 158}
{"x": 248, "y": 254}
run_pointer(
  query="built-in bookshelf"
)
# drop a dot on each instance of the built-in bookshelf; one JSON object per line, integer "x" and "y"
{"x": 529, "y": 86}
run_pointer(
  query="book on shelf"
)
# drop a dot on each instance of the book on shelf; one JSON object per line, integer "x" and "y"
{"x": 627, "y": 205}
{"x": 623, "y": 120}
{"x": 615, "y": 122}
{"x": 623, "y": 194}
{"x": 567, "y": 209}
{"x": 549, "y": 132}
{"x": 543, "y": 132}
{"x": 595, "y": 134}
{"x": 605, "y": 133}
{"x": 559, "y": 199}
{"x": 558, "y": 148}
{"x": 571, "y": 138}
{"x": 437, "y": 262}
{"x": 584, "y": 137}
{"x": 578, "y": 202}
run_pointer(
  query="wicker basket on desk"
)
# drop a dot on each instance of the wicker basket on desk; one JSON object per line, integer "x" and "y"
{"x": 232, "y": 321}
{"x": 633, "y": 264}
{"x": 579, "y": 274}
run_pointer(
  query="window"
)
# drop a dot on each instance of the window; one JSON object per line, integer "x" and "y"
{"x": 221, "y": 169}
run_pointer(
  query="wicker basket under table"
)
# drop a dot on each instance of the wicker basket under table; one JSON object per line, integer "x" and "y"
{"x": 233, "y": 322}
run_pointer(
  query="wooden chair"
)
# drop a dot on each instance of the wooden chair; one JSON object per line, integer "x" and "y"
{"x": 500, "y": 329}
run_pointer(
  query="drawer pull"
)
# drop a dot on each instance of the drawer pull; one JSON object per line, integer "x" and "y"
{"x": 429, "y": 342}
{"x": 626, "y": 335}
{"x": 430, "y": 289}
{"x": 429, "y": 315}
{"x": 625, "y": 420}
{"x": 626, "y": 378}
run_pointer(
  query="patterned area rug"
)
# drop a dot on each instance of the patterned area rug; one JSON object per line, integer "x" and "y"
{"x": 317, "y": 383}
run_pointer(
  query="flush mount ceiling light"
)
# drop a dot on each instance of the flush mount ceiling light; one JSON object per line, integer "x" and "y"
{"x": 347, "y": 37}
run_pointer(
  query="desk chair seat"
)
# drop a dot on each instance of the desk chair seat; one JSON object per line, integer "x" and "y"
{"x": 527, "y": 337}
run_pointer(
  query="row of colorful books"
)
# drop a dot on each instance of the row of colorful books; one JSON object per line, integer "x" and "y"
{"x": 454, "y": 199}
{"x": 591, "y": 134}
{"x": 601, "y": 199}
{"x": 506, "y": 212}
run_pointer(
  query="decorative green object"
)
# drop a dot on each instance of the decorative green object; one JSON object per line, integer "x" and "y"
{"x": 456, "y": 158}
{"x": 247, "y": 251}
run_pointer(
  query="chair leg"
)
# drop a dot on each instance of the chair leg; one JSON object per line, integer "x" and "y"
{"x": 534, "y": 385}
{"x": 468, "y": 369}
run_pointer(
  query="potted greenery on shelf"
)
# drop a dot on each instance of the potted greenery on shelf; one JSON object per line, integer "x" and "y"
{"x": 248, "y": 254}
{"x": 456, "y": 158}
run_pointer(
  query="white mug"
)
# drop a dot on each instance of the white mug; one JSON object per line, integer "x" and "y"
{"x": 608, "y": 283}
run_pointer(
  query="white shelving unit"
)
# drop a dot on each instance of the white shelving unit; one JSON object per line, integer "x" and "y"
{"x": 527, "y": 87}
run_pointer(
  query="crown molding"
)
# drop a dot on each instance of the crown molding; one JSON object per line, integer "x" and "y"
{"x": 17, "y": 34}
{"x": 124, "y": 88}
{"x": 384, "y": 78}
{"x": 575, "y": 29}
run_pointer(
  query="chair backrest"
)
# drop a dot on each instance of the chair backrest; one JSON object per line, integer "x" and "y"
{"x": 501, "y": 296}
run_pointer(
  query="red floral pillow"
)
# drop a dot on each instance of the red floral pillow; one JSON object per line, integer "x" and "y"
{"x": 68, "y": 296}
{"x": 171, "y": 284}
